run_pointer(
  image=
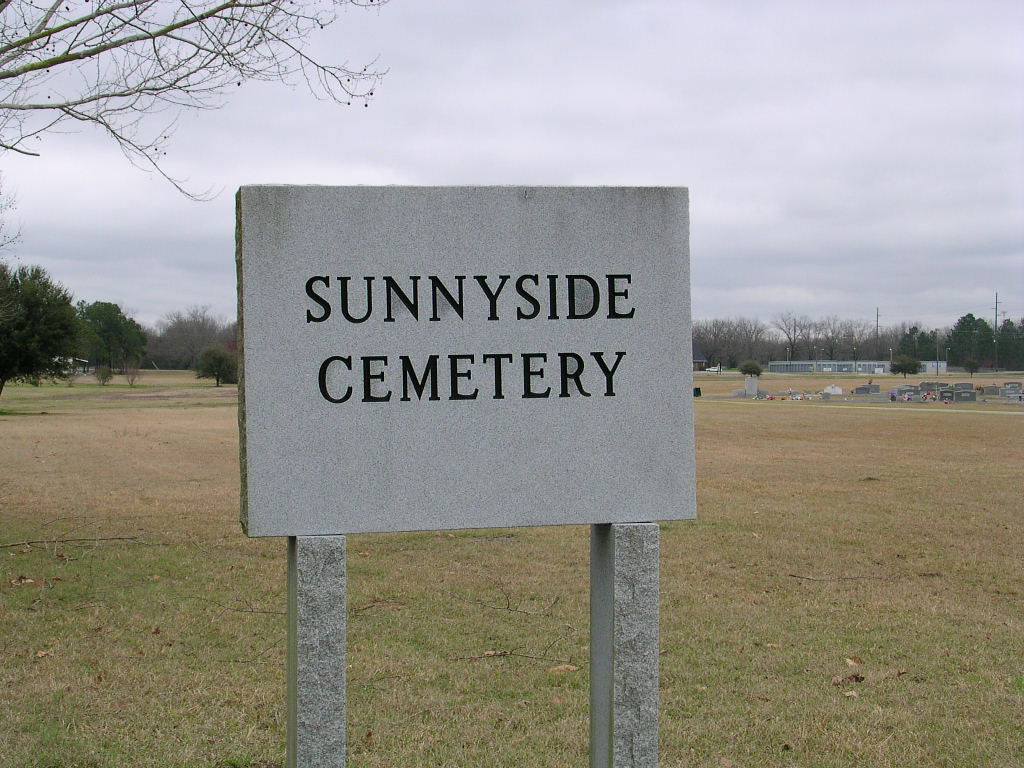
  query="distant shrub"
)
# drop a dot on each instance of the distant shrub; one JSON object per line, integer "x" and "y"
{"x": 104, "y": 374}
{"x": 131, "y": 371}
{"x": 751, "y": 368}
{"x": 218, "y": 364}
{"x": 905, "y": 364}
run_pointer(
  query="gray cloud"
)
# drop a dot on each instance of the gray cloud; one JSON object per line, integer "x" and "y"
{"x": 840, "y": 156}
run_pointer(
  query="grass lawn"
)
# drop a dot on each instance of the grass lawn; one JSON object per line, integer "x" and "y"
{"x": 852, "y": 594}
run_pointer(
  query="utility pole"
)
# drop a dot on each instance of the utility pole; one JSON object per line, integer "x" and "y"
{"x": 877, "y": 352}
{"x": 995, "y": 334}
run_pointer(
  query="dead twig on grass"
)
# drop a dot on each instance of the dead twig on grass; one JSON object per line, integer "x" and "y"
{"x": 373, "y": 604}
{"x": 257, "y": 659}
{"x": 508, "y": 605}
{"x": 225, "y": 608}
{"x": 840, "y": 578}
{"x": 516, "y": 653}
{"x": 68, "y": 541}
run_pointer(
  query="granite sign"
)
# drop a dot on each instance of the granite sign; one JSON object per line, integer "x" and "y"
{"x": 451, "y": 357}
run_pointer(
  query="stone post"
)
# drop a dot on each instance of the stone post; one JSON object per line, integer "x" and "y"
{"x": 624, "y": 645}
{"x": 316, "y": 652}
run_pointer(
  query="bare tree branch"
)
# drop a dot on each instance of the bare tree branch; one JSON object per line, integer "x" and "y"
{"x": 115, "y": 63}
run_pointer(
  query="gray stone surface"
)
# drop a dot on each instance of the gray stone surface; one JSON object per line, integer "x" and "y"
{"x": 316, "y": 652}
{"x": 750, "y": 386}
{"x": 624, "y": 628}
{"x": 311, "y": 466}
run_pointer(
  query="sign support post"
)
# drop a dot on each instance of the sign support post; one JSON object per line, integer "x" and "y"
{"x": 624, "y": 623}
{"x": 316, "y": 651}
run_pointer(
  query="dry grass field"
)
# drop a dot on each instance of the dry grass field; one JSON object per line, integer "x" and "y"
{"x": 852, "y": 594}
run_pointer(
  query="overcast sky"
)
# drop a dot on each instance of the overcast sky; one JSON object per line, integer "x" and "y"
{"x": 841, "y": 156}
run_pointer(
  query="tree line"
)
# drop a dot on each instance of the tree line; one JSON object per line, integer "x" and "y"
{"x": 971, "y": 342}
{"x": 45, "y": 335}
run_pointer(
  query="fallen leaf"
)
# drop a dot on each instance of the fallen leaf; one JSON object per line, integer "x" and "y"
{"x": 41, "y": 654}
{"x": 851, "y": 694}
{"x": 562, "y": 668}
{"x": 156, "y": 630}
{"x": 22, "y": 580}
{"x": 853, "y": 661}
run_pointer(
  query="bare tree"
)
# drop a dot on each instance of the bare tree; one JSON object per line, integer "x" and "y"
{"x": 180, "y": 337}
{"x": 794, "y": 328}
{"x": 111, "y": 63}
{"x": 751, "y": 336}
{"x": 712, "y": 338}
{"x": 856, "y": 337}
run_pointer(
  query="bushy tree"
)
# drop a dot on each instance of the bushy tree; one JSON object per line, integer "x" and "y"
{"x": 916, "y": 343}
{"x": 38, "y": 331}
{"x": 751, "y": 368}
{"x": 218, "y": 364}
{"x": 971, "y": 339}
{"x": 905, "y": 364}
{"x": 1010, "y": 343}
{"x": 109, "y": 337}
